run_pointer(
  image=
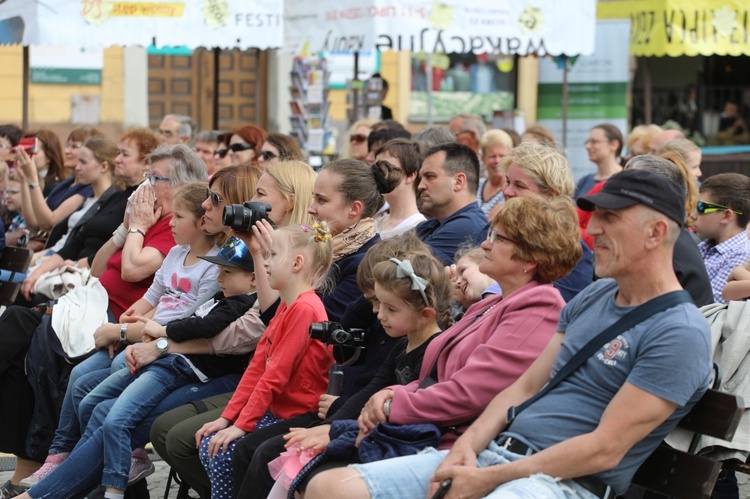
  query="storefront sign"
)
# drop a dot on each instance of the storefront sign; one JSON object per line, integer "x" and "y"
{"x": 66, "y": 65}
{"x": 684, "y": 27}
{"x": 194, "y": 23}
{"x": 449, "y": 26}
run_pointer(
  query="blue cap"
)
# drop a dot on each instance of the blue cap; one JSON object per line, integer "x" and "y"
{"x": 233, "y": 254}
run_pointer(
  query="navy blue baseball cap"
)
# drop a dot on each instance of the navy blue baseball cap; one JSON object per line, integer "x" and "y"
{"x": 233, "y": 254}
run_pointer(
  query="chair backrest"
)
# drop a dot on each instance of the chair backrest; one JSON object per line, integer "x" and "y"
{"x": 13, "y": 265}
{"x": 686, "y": 475}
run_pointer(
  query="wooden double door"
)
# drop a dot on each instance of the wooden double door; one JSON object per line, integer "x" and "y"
{"x": 218, "y": 89}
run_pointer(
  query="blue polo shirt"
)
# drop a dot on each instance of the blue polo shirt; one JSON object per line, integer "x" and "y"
{"x": 445, "y": 236}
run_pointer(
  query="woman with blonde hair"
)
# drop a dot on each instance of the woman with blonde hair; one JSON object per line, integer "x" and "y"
{"x": 287, "y": 186}
{"x": 534, "y": 168}
{"x": 689, "y": 152}
{"x": 493, "y": 146}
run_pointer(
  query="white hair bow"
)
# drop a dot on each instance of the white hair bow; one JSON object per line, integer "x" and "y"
{"x": 404, "y": 269}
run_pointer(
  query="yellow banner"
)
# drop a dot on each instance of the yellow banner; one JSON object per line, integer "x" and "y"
{"x": 683, "y": 27}
{"x": 98, "y": 11}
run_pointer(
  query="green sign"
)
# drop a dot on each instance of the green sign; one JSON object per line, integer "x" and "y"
{"x": 448, "y": 104}
{"x": 590, "y": 100}
{"x": 66, "y": 76}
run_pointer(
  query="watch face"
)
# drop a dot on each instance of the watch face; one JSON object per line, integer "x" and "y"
{"x": 162, "y": 343}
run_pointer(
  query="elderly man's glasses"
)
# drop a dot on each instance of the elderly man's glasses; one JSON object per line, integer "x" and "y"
{"x": 704, "y": 208}
{"x": 213, "y": 196}
{"x": 493, "y": 236}
{"x": 155, "y": 178}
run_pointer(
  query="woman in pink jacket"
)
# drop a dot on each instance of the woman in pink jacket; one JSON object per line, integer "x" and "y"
{"x": 531, "y": 242}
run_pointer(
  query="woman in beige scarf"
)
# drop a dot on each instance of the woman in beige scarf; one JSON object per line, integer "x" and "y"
{"x": 347, "y": 193}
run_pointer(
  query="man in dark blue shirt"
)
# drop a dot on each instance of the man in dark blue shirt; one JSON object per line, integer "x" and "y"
{"x": 448, "y": 187}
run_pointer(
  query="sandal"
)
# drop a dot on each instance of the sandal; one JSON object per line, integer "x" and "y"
{"x": 9, "y": 490}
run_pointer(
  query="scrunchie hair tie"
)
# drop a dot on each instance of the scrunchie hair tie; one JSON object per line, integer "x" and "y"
{"x": 404, "y": 269}
{"x": 320, "y": 236}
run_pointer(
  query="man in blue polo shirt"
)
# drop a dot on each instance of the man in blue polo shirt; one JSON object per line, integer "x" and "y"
{"x": 448, "y": 187}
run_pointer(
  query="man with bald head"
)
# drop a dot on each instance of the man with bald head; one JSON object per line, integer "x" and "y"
{"x": 662, "y": 137}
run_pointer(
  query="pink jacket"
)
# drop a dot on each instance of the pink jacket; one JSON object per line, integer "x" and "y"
{"x": 487, "y": 354}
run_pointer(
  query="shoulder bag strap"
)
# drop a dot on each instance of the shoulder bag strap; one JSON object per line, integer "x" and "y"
{"x": 626, "y": 322}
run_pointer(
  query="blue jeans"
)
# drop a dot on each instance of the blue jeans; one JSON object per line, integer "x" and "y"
{"x": 83, "y": 470}
{"x": 135, "y": 397}
{"x": 409, "y": 477}
{"x": 67, "y": 433}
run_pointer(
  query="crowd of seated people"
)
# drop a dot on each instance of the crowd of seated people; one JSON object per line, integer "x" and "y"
{"x": 471, "y": 260}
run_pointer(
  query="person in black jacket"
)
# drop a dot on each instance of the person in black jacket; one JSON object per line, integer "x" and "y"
{"x": 96, "y": 163}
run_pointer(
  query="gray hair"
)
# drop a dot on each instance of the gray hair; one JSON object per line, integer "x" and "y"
{"x": 431, "y": 136}
{"x": 208, "y": 136}
{"x": 473, "y": 123}
{"x": 186, "y": 125}
{"x": 184, "y": 167}
{"x": 659, "y": 166}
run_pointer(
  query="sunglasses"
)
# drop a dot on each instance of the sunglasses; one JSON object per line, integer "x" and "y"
{"x": 213, "y": 196}
{"x": 493, "y": 236}
{"x": 222, "y": 153}
{"x": 267, "y": 155}
{"x": 358, "y": 138}
{"x": 704, "y": 208}
{"x": 240, "y": 147}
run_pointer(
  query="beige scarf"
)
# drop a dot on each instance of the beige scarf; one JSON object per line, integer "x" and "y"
{"x": 351, "y": 239}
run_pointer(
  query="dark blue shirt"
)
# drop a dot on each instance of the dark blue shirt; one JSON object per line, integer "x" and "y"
{"x": 444, "y": 237}
{"x": 65, "y": 189}
{"x": 581, "y": 276}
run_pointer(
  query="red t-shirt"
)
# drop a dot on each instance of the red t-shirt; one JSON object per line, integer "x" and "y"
{"x": 123, "y": 294}
{"x": 585, "y": 216}
{"x": 289, "y": 371}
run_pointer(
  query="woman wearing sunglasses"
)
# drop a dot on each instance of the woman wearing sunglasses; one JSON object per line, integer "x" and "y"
{"x": 279, "y": 147}
{"x": 356, "y": 144}
{"x": 244, "y": 144}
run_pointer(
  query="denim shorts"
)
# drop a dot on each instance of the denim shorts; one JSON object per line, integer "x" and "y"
{"x": 409, "y": 477}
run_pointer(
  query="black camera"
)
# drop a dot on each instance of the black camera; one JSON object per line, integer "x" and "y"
{"x": 331, "y": 333}
{"x": 242, "y": 217}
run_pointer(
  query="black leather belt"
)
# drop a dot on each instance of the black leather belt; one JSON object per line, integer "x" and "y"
{"x": 590, "y": 483}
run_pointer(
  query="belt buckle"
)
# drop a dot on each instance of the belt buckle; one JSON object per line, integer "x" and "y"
{"x": 508, "y": 443}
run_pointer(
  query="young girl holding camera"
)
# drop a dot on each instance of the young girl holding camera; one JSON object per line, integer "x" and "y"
{"x": 289, "y": 370}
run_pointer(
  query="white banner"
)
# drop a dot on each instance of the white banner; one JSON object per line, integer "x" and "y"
{"x": 597, "y": 92}
{"x": 195, "y": 23}
{"x": 480, "y": 26}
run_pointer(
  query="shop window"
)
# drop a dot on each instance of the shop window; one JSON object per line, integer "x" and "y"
{"x": 461, "y": 83}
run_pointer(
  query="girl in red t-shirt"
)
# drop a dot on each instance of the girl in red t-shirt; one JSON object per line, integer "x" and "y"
{"x": 289, "y": 370}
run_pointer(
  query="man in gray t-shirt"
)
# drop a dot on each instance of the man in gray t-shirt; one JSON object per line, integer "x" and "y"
{"x": 608, "y": 415}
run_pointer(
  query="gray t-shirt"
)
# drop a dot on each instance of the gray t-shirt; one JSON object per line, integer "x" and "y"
{"x": 177, "y": 288}
{"x": 668, "y": 355}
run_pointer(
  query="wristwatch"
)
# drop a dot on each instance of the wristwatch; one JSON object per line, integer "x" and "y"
{"x": 387, "y": 409}
{"x": 33, "y": 186}
{"x": 136, "y": 231}
{"x": 124, "y": 334}
{"x": 162, "y": 346}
